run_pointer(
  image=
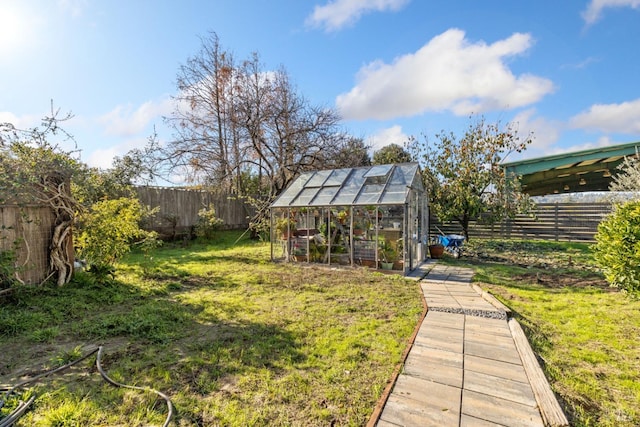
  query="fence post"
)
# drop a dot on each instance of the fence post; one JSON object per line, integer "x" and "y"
{"x": 556, "y": 221}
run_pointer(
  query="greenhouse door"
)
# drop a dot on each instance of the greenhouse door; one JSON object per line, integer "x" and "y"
{"x": 414, "y": 225}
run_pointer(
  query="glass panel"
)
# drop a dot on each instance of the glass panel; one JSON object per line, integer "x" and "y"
{"x": 305, "y": 197}
{"x": 395, "y": 194}
{"x": 346, "y": 196}
{"x": 398, "y": 177}
{"x": 351, "y": 188}
{"x": 375, "y": 171}
{"x": 370, "y": 194}
{"x": 337, "y": 177}
{"x": 325, "y": 195}
{"x": 390, "y": 237}
{"x": 290, "y": 193}
{"x": 318, "y": 178}
{"x": 409, "y": 171}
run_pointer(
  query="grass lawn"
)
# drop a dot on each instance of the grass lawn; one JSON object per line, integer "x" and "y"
{"x": 585, "y": 333}
{"x": 231, "y": 337}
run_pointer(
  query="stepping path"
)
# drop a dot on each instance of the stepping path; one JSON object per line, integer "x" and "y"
{"x": 464, "y": 368}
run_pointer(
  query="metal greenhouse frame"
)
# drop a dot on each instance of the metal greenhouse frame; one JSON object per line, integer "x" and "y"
{"x": 373, "y": 216}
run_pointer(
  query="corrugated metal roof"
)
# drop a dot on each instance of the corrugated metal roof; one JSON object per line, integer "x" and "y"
{"x": 372, "y": 185}
{"x": 587, "y": 170}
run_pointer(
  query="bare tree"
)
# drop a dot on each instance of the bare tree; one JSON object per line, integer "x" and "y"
{"x": 237, "y": 121}
{"x": 201, "y": 119}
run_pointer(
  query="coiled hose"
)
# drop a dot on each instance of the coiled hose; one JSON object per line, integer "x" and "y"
{"x": 23, "y": 406}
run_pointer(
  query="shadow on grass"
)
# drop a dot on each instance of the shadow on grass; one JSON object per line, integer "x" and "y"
{"x": 84, "y": 313}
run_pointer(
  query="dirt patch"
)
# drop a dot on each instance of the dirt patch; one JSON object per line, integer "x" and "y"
{"x": 559, "y": 280}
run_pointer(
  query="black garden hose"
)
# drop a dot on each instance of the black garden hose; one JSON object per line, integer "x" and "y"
{"x": 117, "y": 384}
{"x": 23, "y": 406}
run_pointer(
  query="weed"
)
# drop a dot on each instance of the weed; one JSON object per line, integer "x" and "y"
{"x": 67, "y": 356}
{"x": 45, "y": 335}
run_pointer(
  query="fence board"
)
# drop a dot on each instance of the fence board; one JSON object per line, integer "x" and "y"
{"x": 182, "y": 206}
{"x": 547, "y": 221}
{"x": 28, "y": 230}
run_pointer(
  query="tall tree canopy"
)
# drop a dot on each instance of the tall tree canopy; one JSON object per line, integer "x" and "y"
{"x": 234, "y": 120}
{"x": 465, "y": 176}
{"x": 392, "y": 153}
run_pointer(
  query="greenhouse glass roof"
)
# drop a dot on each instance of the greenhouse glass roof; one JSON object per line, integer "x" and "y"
{"x": 371, "y": 185}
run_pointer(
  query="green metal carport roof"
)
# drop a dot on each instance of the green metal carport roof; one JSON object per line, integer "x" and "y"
{"x": 587, "y": 170}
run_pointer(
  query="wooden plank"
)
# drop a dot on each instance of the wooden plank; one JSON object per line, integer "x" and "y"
{"x": 420, "y": 402}
{"x": 496, "y": 368}
{"x": 502, "y": 388}
{"x": 549, "y": 407}
{"x": 499, "y": 411}
{"x": 491, "y": 352}
{"x": 403, "y": 411}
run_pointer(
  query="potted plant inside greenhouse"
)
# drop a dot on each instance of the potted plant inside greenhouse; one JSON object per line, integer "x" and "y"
{"x": 286, "y": 227}
{"x": 387, "y": 253}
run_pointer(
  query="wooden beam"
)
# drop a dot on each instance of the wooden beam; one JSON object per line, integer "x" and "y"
{"x": 550, "y": 409}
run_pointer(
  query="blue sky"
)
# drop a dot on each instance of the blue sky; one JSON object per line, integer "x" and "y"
{"x": 568, "y": 71}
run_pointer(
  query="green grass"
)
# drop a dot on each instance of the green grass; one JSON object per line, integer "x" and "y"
{"x": 231, "y": 337}
{"x": 585, "y": 333}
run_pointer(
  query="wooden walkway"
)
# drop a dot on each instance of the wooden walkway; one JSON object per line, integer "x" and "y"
{"x": 464, "y": 368}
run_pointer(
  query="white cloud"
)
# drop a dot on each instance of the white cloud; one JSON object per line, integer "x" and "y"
{"x": 601, "y": 142}
{"x": 339, "y": 13}
{"x": 614, "y": 118}
{"x": 545, "y": 134}
{"x": 384, "y": 137}
{"x": 124, "y": 121}
{"x": 26, "y": 121}
{"x": 595, "y": 8}
{"x": 448, "y": 73}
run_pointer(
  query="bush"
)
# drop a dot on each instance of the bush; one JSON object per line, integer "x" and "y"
{"x": 110, "y": 229}
{"x": 208, "y": 223}
{"x": 617, "y": 248}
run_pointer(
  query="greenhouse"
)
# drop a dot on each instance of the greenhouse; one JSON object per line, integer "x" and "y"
{"x": 373, "y": 216}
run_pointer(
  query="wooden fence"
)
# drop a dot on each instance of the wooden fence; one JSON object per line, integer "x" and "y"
{"x": 26, "y": 232}
{"x": 547, "y": 221}
{"x": 178, "y": 209}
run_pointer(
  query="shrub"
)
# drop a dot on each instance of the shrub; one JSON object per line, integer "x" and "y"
{"x": 110, "y": 229}
{"x": 617, "y": 248}
{"x": 208, "y": 223}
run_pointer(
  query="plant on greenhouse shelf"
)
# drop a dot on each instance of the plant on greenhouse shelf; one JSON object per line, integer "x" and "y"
{"x": 285, "y": 226}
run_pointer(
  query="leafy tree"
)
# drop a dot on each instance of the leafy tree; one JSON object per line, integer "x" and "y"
{"x": 353, "y": 152}
{"x": 392, "y": 153}
{"x": 90, "y": 185}
{"x": 628, "y": 179}
{"x": 617, "y": 248}
{"x": 465, "y": 176}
